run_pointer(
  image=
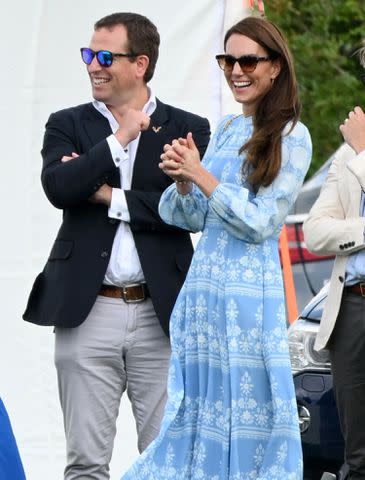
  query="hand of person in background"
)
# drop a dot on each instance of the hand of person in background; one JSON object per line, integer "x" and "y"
{"x": 353, "y": 129}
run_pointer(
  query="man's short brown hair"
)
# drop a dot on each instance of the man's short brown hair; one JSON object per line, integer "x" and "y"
{"x": 142, "y": 34}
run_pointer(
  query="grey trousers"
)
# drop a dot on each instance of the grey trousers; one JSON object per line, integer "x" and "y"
{"x": 120, "y": 346}
{"x": 347, "y": 351}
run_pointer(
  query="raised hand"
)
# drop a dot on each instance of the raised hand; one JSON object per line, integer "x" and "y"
{"x": 353, "y": 129}
{"x": 181, "y": 159}
{"x": 131, "y": 122}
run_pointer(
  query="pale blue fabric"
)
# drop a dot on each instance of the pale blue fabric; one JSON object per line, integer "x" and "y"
{"x": 231, "y": 412}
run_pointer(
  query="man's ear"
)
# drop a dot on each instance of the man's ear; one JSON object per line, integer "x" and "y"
{"x": 142, "y": 63}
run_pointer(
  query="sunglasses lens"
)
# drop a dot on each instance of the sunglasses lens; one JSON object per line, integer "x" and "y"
{"x": 105, "y": 58}
{"x": 248, "y": 64}
{"x": 87, "y": 55}
{"x": 229, "y": 62}
{"x": 225, "y": 62}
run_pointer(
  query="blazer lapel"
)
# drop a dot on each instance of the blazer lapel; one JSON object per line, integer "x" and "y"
{"x": 95, "y": 125}
{"x": 97, "y": 128}
{"x": 353, "y": 189}
{"x": 151, "y": 142}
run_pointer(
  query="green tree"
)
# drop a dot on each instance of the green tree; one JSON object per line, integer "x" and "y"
{"x": 323, "y": 37}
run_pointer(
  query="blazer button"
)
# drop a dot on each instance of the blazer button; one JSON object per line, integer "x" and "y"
{"x": 340, "y": 278}
{"x": 104, "y": 254}
{"x": 352, "y": 244}
{"x": 112, "y": 220}
{"x": 341, "y": 247}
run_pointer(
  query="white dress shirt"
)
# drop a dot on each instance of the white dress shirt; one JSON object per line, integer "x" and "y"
{"x": 124, "y": 266}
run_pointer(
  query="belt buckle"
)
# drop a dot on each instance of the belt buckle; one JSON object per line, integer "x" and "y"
{"x": 138, "y": 300}
{"x": 362, "y": 289}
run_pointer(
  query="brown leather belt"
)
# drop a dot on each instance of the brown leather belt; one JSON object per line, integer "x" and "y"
{"x": 133, "y": 293}
{"x": 358, "y": 288}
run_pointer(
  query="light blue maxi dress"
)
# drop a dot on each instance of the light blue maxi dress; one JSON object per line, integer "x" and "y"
{"x": 231, "y": 412}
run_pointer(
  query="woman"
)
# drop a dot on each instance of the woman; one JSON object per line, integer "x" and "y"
{"x": 231, "y": 412}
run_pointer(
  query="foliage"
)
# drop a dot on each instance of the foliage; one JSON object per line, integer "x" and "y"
{"x": 323, "y": 37}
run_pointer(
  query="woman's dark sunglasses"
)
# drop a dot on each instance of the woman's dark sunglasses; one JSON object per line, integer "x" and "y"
{"x": 247, "y": 63}
{"x": 104, "y": 57}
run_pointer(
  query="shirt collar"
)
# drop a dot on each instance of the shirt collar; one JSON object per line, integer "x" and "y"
{"x": 149, "y": 108}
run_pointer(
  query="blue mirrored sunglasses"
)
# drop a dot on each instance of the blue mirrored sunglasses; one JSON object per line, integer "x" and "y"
{"x": 104, "y": 57}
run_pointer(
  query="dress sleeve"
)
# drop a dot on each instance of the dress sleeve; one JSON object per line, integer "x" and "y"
{"x": 184, "y": 211}
{"x": 189, "y": 211}
{"x": 256, "y": 217}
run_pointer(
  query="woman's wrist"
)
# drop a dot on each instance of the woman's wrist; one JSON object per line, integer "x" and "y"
{"x": 183, "y": 182}
{"x": 206, "y": 182}
{"x": 184, "y": 187}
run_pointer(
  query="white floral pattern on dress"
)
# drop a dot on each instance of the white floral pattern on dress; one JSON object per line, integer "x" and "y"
{"x": 231, "y": 412}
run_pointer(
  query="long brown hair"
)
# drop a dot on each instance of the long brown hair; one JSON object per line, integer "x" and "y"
{"x": 279, "y": 106}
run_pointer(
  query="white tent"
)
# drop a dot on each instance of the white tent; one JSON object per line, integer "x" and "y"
{"x": 44, "y": 73}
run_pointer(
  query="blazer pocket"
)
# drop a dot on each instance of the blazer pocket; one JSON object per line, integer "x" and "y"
{"x": 61, "y": 250}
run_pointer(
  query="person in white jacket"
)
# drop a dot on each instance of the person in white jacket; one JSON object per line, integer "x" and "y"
{"x": 336, "y": 225}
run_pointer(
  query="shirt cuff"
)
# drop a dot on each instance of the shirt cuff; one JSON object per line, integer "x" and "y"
{"x": 117, "y": 151}
{"x": 118, "y": 207}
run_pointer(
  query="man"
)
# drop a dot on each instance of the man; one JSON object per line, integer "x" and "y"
{"x": 115, "y": 269}
{"x": 336, "y": 225}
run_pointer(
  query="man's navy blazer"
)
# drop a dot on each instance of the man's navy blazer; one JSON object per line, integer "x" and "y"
{"x": 65, "y": 291}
